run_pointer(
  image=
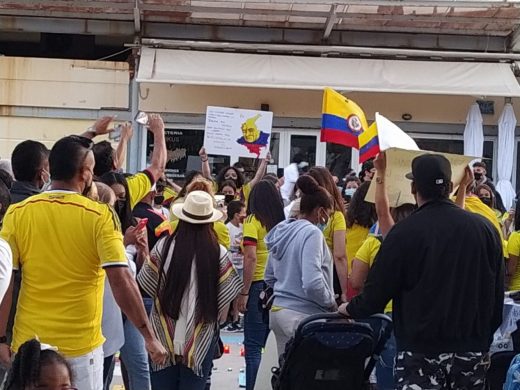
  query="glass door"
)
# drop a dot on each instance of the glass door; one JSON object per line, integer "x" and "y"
{"x": 304, "y": 143}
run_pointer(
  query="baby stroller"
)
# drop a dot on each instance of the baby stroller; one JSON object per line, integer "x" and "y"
{"x": 331, "y": 352}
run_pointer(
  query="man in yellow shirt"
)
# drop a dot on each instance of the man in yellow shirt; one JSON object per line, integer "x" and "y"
{"x": 63, "y": 244}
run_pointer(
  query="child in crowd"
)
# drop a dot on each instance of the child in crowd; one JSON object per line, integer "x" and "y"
{"x": 236, "y": 213}
{"x": 38, "y": 366}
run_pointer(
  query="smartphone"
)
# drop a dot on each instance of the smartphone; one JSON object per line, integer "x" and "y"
{"x": 142, "y": 224}
{"x": 116, "y": 134}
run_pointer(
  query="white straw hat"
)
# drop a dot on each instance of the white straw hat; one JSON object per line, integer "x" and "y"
{"x": 197, "y": 208}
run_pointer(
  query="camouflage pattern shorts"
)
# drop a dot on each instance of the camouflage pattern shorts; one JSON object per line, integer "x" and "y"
{"x": 454, "y": 371}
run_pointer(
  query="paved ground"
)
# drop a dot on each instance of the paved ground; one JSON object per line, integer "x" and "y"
{"x": 226, "y": 371}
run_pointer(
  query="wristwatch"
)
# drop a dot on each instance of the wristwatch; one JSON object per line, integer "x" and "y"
{"x": 379, "y": 180}
{"x": 92, "y": 130}
{"x": 3, "y": 340}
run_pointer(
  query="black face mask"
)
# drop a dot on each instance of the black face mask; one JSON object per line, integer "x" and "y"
{"x": 486, "y": 201}
{"x": 478, "y": 176}
{"x": 120, "y": 206}
{"x": 158, "y": 200}
{"x": 229, "y": 198}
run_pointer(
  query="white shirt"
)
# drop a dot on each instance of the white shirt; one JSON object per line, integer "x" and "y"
{"x": 6, "y": 267}
{"x": 290, "y": 175}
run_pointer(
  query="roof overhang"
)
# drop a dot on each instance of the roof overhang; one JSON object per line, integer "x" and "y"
{"x": 190, "y": 67}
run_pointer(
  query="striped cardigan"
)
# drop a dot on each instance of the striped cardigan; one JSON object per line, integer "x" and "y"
{"x": 199, "y": 336}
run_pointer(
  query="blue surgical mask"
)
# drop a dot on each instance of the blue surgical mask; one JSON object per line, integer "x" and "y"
{"x": 350, "y": 191}
{"x": 321, "y": 226}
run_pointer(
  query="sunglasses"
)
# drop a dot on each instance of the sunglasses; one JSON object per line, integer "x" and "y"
{"x": 85, "y": 142}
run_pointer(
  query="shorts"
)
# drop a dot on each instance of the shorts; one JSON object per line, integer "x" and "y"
{"x": 414, "y": 371}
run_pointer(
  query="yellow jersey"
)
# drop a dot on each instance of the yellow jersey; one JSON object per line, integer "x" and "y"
{"x": 139, "y": 185}
{"x": 220, "y": 229}
{"x": 254, "y": 234}
{"x": 367, "y": 254}
{"x": 336, "y": 223}
{"x": 355, "y": 237}
{"x": 513, "y": 248}
{"x": 61, "y": 241}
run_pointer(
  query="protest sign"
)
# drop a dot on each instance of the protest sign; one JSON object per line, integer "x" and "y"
{"x": 399, "y": 163}
{"x": 237, "y": 133}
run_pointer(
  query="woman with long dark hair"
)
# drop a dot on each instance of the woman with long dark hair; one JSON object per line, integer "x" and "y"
{"x": 265, "y": 210}
{"x": 192, "y": 281}
{"x": 335, "y": 230}
{"x": 361, "y": 216}
{"x": 123, "y": 207}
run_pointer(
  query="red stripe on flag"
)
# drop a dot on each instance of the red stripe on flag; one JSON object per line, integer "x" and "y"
{"x": 372, "y": 152}
{"x": 339, "y": 137}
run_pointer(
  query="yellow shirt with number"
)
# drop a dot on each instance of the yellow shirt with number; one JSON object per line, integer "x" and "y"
{"x": 513, "y": 248}
{"x": 220, "y": 229}
{"x": 367, "y": 254}
{"x": 254, "y": 234}
{"x": 61, "y": 241}
{"x": 139, "y": 185}
{"x": 336, "y": 223}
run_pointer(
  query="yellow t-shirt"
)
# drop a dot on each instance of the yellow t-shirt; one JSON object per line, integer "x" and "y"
{"x": 220, "y": 229}
{"x": 336, "y": 223}
{"x": 254, "y": 234}
{"x": 355, "y": 237}
{"x": 246, "y": 191}
{"x": 513, "y": 248}
{"x": 475, "y": 205}
{"x": 169, "y": 193}
{"x": 61, "y": 241}
{"x": 139, "y": 185}
{"x": 367, "y": 254}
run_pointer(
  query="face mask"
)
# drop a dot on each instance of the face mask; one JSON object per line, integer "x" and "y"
{"x": 478, "y": 176}
{"x": 46, "y": 183}
{"x": 486, "y": 201}
{"x": 323, "y": 223}
{"x": 350, "y": 191}
{"x": 120, "y": 206}
{"x": 158, "y": 200}
{"x": 229, "y": 198}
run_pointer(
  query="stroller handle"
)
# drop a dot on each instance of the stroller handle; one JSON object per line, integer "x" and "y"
{"x": 338, "y": 316}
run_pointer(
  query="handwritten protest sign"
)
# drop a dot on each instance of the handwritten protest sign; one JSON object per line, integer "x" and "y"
{"x": 237, "y": 133}
{"x": 399, "y": 163}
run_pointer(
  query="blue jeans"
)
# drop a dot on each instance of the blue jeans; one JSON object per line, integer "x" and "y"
{"x": 181, "y": 377}
{"x": 256, "y": 330}
{"x": 135, "y": 358}
{"x": 385, "y": 365}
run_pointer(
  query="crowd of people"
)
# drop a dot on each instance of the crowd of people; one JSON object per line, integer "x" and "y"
{"x": 95, "y": 262}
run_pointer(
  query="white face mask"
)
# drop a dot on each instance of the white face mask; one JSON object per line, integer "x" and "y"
{"x": 46, "y": 183}
{"x": 350, "y": 191}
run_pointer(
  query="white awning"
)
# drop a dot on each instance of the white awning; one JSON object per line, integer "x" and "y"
{"x": 348, "y": 74}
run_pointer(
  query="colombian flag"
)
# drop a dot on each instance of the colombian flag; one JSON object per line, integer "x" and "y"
{"x": 368, "y": 143}
{"x": 343, "y": 122}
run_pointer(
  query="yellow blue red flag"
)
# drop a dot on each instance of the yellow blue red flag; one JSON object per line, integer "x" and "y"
{"x": 368, "y": 143}
{"x": 343, "y": 122}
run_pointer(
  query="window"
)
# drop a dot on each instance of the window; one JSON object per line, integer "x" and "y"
{"x": 183, "y": 153}
{"x": 338, "y": 159}
{"x": 456, "y": 146}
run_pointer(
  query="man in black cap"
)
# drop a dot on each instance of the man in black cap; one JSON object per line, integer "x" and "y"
{"x": 442, "y": 266}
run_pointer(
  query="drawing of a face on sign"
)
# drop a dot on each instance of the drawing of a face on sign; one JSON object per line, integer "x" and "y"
{"x": 354, "y": 123}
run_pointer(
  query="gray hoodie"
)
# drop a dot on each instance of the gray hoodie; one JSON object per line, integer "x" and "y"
{"x": 300, "y": 267}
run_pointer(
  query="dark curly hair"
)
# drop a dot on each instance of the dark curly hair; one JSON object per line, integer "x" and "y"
{"x": 104, "y": 156}
{"x": 359, "y": 211}
{"x": 240, "y": 181}
{"x": 28, "y": 362}
{"x": 125, "y": 212}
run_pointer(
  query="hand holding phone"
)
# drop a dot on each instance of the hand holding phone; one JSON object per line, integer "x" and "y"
{"x": 142, "y": 224}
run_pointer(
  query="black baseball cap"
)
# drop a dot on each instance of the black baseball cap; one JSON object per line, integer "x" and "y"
{"x": 430, "y": 170}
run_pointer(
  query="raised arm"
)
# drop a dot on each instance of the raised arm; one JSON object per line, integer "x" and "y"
{"x": 465, "y": 184}
{"x": 159, "y": 154}
{"x": 386, "y": 222}
{"x": 100, "y": 127}
{"x": 126, "y": 135}
{"x": 206, "y": 170}
{"x": 260, "y": 172}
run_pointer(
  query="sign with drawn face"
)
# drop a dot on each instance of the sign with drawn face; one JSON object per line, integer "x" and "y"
{"x": 237, "y": 132}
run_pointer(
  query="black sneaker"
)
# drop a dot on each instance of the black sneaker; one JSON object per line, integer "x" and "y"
{"x": 237, "y": 326}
